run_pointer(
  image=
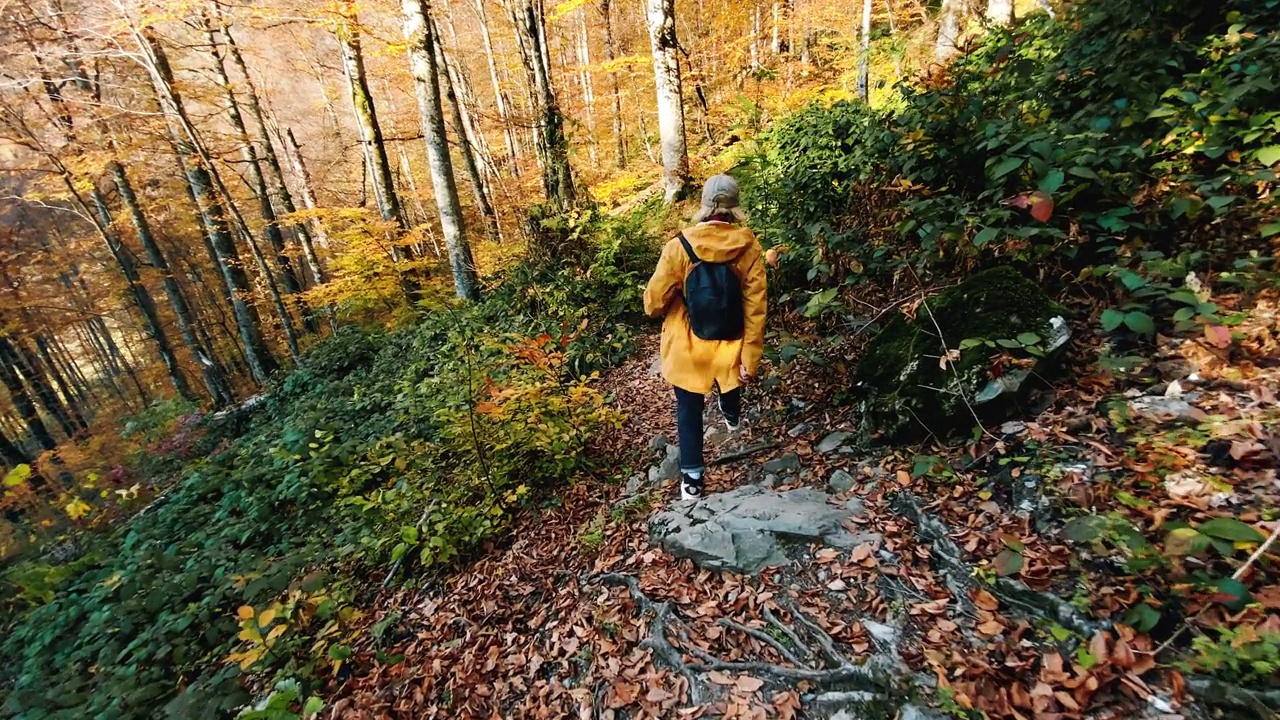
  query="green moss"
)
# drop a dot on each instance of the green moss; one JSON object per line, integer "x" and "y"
{"x": 904, "y": 387}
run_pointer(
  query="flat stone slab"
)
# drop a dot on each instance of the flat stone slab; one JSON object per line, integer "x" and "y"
{"x": 739, "y": 530}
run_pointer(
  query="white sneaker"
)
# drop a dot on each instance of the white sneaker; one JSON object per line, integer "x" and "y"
{"x": 690, "y": 487}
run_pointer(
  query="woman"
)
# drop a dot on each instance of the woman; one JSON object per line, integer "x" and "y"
{"x": 690, "y": 363}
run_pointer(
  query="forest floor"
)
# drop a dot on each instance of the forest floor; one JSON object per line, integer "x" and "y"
{"x": 977, "y": 590}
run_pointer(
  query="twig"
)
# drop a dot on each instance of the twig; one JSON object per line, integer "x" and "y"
{"x": 395, "y": 567}
{"x": 743, "y": 454}
{"x": 870, "y": 673}
{"x": 1239, "y": 573}
{"x": 946, "y": 355}
{"x": 765, "y": 638}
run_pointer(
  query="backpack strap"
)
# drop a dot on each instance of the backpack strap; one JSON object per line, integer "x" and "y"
{"x": 688, "y": 249}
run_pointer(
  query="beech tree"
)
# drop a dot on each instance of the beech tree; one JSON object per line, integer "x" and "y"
{"x": 666, "y": 74}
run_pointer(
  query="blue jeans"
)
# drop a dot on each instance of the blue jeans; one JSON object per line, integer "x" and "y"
{"x": 689, "y": 423}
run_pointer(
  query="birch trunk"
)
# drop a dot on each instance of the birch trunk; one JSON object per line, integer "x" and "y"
{"x": 584, "y": 77}
{"x": 666, "y": 75}
{"x": 307, "y": 190}
{"x": 422, "y": 60}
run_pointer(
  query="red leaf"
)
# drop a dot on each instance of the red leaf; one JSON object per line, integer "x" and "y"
{"x": 1217, "y": 335}
{"x": 1041, "y": 206}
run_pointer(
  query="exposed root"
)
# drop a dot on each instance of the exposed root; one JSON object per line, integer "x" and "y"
{"x": 958, "y": 574}
{"x": 878, "y": 676}
{"x": 1216, "y": 693}
{"x": 657, "y": 642}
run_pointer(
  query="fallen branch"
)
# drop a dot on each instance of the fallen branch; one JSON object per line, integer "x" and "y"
{"x": 868, "y": 675}
{"x": 743, "y": 454}
{"x": 1265, "y": 703}
{"x": 788, "y": 632}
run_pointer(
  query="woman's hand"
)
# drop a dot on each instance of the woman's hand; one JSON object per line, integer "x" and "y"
{"x": 743, "y": 374}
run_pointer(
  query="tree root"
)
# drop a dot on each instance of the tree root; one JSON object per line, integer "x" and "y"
{"x": 877, "y": 676}
{"x": 657, "y": 642}
{"x": 958, "y": 575}
{"x": 1216, "y": 693}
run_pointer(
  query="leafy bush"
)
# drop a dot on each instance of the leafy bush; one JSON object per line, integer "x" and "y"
{"x": 1122, "y": 125}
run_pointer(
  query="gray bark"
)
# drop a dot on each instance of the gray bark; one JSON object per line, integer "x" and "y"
{"x": 499, "y": 98}
{"x": 307, "y": 191}
{"x": 21, "y": 398}
{"x": 610, "y": 54}
{"x": 1000, "y": 12}
{"x": 949, "y": 18}
{"x": 667, "y": 81}
{"x": 214, "y": 382}
{"x": 468, "y": 151}
{"x": 422, "y": 59}
{"x": 864, "y": 57}
{"x": 271, "y": 224}
{"x": 557, "y": 177}
{"x": 213, "y": 217}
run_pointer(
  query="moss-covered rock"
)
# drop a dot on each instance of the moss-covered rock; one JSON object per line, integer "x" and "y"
{"x": 1005, "y": 329}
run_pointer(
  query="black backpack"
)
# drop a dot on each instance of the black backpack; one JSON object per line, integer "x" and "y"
{"x": 713, "y": 296}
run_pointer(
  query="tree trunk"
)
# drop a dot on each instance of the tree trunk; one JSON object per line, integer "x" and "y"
{"x": 755, "y": 38}
{"x": 308, "y": 198}
{"x": 1000, "y": 12}
{"x": 21, "y": 398}
{"x": 949, "y": 18}
{"x": 666, "y": 76}
{"x": 422, "y": 60}
{"x": 263, "y": 137}
{"x": 468, "y": 150}
{"x": 37, "y": 379}
{"x": 367, "y": 120}
{"x": 557, "y": 178}
{"x": 213, "y": 216}
{"x": 864, "y": 56}
{"x": 258, "y": 179}
{"x": 499, "y": 98}
{"x": 66, "y": 383}
{"x": 610, "y": 55}
{"x": 584, "y": 77}
{"x": 214, "y": 382}
{"x": 141, "y": 295}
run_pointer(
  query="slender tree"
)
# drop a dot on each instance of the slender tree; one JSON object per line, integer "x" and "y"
{"x": 950, "y": 16}
{"x": 864, "y": 54}
{"x": 499, "y": 97}
{"x": 419, "y": 36}
{"x": 213, "y": 212}
{"x": 611, "y": 56}
{"x": 666, "y": 75}
{"x": 468, "y": 151}
{"x": 529, "y": 19}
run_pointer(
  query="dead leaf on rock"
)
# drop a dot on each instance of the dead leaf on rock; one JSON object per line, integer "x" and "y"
{"x": 748, "y": 684}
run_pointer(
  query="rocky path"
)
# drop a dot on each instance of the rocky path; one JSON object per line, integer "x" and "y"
{"x": 814, "y": 581}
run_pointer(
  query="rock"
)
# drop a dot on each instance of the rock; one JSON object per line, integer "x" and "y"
{"x": 739, "y": 530}
{"x": 1161, "y": 408}
{"x": 635, "y": 484}
{"x": 715, "y": 434}
{"x": 668, "y": 468}
{"x": 801, "y": 429}
{"x": 655, "y": 367}
{"x": 658, "y": 444}
{"x": 855, "y": 507}
{"x": 1013, "y": 427}
{"x": 912, "y": 712}
{"x": 840, "y": 482}
{"x": 833, "y": 442}
{"x": 884, "y": 636}
{"x": 905, "y": 393}
{"x": 769, "y": 480}
{"x": 779, "y": 465}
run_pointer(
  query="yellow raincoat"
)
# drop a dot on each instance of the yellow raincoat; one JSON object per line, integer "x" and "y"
{"x": 689, "y": 362}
